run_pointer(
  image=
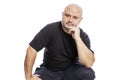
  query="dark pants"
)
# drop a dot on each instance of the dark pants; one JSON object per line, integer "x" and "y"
{"x": 75, "y": 72}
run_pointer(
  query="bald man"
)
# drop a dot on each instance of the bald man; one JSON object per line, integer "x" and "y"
{"x": 67, "y": 54}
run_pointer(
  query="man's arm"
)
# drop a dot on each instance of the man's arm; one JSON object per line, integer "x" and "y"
{"x": 29, "y": 61}
{"x": 85, "y": 55}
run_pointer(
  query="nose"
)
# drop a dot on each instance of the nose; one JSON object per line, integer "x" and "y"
{"x": 70, "y": 19}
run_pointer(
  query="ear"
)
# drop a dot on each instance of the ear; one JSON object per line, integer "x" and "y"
{"x": 62, "y": 14}
{"x": 80, "y": 19}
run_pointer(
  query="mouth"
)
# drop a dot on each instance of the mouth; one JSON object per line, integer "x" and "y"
{"x": 66, "y": 28}
{"x": 69, "y": 24}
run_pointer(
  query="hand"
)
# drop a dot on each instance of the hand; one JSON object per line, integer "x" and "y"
{"x": 34, "y": 77}
{"x": 75, "y": 32}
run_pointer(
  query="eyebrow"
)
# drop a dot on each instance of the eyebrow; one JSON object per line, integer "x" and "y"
{"x": 67, "y": 14}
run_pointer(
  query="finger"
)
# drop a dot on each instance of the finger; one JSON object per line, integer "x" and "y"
{"x": 71, "y": 31}
{"x": 37, "y": 77}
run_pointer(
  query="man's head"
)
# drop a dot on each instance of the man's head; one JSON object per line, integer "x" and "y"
{"x": 71, "y": 16}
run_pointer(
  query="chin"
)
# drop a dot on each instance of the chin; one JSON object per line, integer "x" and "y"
{"x": 66, "y": 27}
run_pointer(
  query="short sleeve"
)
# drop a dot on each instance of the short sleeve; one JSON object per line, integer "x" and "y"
{"x": 85, "y": 39}
{"x": 41, "y": 39}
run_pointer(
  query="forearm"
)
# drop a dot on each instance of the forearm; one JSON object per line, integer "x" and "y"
{"x": 29, "y": 61}
{"x": 85, "y": 55}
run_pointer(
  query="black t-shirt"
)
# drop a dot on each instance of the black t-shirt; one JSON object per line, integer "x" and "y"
{"x": 60, "y": 48}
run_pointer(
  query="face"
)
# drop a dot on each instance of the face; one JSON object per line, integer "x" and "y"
{"x": 71, "y": 17}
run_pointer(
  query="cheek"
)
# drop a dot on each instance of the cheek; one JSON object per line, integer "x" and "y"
{"x": 76, "y": 22}
{"x": 65, "y": 19}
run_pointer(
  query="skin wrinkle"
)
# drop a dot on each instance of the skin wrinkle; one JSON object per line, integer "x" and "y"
{"x": 71, "y": 17}
{"x": 73, "y": 8}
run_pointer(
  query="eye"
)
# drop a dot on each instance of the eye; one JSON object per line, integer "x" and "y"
{"x": 67, "y": 15}
{"x": 75, "y": 17}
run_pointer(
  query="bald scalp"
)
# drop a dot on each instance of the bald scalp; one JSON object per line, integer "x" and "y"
{"x": 73, "y": 7}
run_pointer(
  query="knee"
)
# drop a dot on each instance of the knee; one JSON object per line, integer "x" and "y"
{"x": 37, "y": 77}
{"x": 87, "y": 74}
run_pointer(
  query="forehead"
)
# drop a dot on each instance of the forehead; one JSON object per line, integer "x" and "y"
{"x": 73, "y": 10}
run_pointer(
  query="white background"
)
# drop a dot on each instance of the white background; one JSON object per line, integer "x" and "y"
{"x": 20, "y": 20}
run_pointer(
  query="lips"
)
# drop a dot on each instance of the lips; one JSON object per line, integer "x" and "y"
{"x": 68, "y": 24}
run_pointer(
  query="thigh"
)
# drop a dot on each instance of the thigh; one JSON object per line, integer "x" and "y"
{"x": 46, "y": 74}
{"x": 78, "y": 72}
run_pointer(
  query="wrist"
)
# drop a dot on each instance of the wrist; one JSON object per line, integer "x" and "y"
{"x": 78, "y": 39}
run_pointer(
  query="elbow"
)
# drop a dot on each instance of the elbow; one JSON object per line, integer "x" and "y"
{"x": 89, "y": 63}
